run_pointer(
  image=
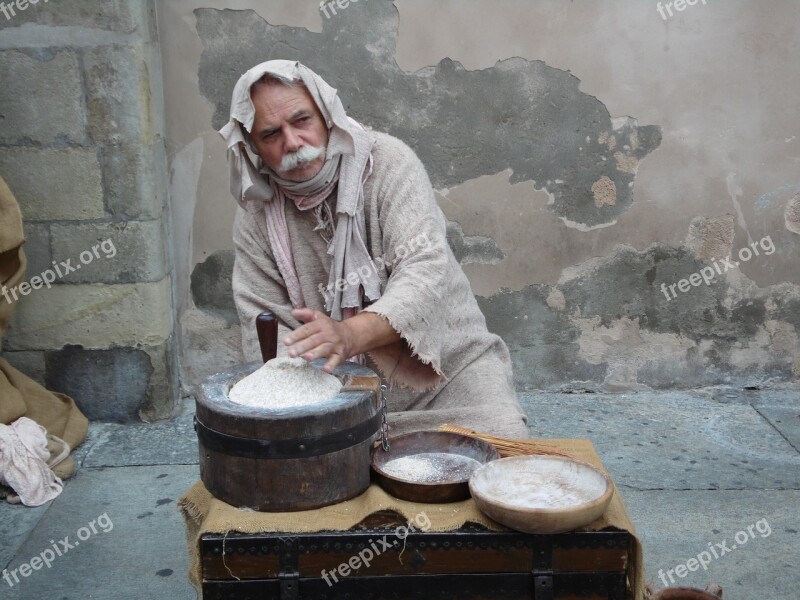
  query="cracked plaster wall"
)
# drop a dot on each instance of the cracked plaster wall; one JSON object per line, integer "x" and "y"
{"x": 584, "y": 154}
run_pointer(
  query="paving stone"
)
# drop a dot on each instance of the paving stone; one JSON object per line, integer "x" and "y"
{"x": 675, "y": 526}
{"x": 72, "y": 188}
{"x": 171, "y": 443}
{"x": 33, "y": 108}
{"x": 97, "y": 431}
{"x": 127, "y": 252}
{"x": 671, "y": 440}
{"x": 138, "y": 550}
{"x": 16, "y": 523}
{"x": 785, "y": 419}
{"x": 781, "y": 397}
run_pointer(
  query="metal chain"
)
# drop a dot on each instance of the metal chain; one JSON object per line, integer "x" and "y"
{"x": 384, "y": 425}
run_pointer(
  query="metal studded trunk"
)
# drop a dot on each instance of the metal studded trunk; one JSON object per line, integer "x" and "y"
{"x": 469, "y": 563}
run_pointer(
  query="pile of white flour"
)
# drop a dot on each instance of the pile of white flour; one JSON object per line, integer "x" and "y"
{"x": 431, "y": 467}
{"x": 285, "y": 383}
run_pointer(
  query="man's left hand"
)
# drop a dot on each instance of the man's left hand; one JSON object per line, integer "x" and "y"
{"x": 320, "y": 337}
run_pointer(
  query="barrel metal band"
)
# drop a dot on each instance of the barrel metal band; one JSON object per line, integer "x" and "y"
{"x": 298, "y": 448}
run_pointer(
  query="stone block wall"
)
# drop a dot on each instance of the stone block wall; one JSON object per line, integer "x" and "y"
{"x": 82, "y": 148}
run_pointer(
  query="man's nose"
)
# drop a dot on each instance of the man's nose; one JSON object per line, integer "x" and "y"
{"x": 292, "y": 140}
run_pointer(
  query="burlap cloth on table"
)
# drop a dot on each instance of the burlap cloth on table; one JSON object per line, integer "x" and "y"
{"x": 202, "y": 513}
{"x": 21, "y": 396}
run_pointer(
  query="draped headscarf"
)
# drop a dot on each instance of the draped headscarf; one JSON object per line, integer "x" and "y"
{"x": 348, "y": 163}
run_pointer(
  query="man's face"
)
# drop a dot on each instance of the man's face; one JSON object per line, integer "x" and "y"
{"x": 286, "y": 120}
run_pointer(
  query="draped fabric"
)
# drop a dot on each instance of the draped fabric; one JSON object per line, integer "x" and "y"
{"x": 348, "y": 163}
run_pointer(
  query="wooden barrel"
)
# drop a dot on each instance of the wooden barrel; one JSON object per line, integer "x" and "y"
{"x": 289, "y": 459}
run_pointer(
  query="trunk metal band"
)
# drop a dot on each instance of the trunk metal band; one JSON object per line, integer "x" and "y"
{"x": 298, "y": 448}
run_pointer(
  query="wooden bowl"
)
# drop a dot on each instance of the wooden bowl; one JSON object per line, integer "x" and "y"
{"x": 541, "y": 494}
{"x": 450, "y": 484}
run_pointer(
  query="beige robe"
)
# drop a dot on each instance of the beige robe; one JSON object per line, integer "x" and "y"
{"x": 448, "y": 368}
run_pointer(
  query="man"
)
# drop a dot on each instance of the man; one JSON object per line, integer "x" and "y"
{"x": 378, "y": 283}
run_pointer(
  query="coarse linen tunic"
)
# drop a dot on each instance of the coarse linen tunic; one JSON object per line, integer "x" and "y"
{"x": 448, "y": 368}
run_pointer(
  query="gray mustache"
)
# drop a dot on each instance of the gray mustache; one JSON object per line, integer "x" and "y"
{"x": 305, "y": 154}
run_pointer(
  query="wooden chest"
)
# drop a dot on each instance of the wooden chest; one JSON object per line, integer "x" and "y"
{"x": 385, "y": 558}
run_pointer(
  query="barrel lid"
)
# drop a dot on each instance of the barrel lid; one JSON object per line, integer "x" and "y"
{"x": 358, "y": 401}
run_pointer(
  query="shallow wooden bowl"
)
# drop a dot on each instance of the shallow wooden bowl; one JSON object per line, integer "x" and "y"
{"x": 448, "y": 487}
{"x": 541, "y": 494}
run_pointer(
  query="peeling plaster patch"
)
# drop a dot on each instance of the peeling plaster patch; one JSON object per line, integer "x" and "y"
{"x": 625, "y": 347}
{"x": 711, "y": 237}
{"x": 612, "y": 324}
{"x": 516, "y": 218}
{"x": 622, "y": 122}
{"x": 634, "y": 139}
{"x": 774, "y": 343}
{"x": 713, "y": 319}
{"x": 556, "y": 300}
{"x": 765, "y": 200}
{"x": 472, "y": 248}
{"x": 604, "y": 192}
{"x": 211, "y": 286}
{"x": 543, "y": 346}
{"x": 626, "y": 163}
{"x": 582, "y": 227}
{"x": 792, "y": 214}
{"x": 458, "y": 123}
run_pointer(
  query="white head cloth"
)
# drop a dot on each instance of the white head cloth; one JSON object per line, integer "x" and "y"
{"x": 348, "y": 155}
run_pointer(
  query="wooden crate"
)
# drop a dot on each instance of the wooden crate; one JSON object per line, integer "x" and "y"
{"x": 468, "y": 563}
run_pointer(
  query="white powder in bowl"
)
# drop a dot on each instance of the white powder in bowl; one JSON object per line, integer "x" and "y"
{"x": 539, "y": 482}
{"x": 431, "y": 467}
{"x": 285, "y": 383}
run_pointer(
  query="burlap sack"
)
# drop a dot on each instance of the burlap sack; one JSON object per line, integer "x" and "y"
{"x": 19, "y": 394}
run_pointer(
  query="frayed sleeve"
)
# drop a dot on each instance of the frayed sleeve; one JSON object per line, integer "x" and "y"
{"x": 416, "y": 260}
